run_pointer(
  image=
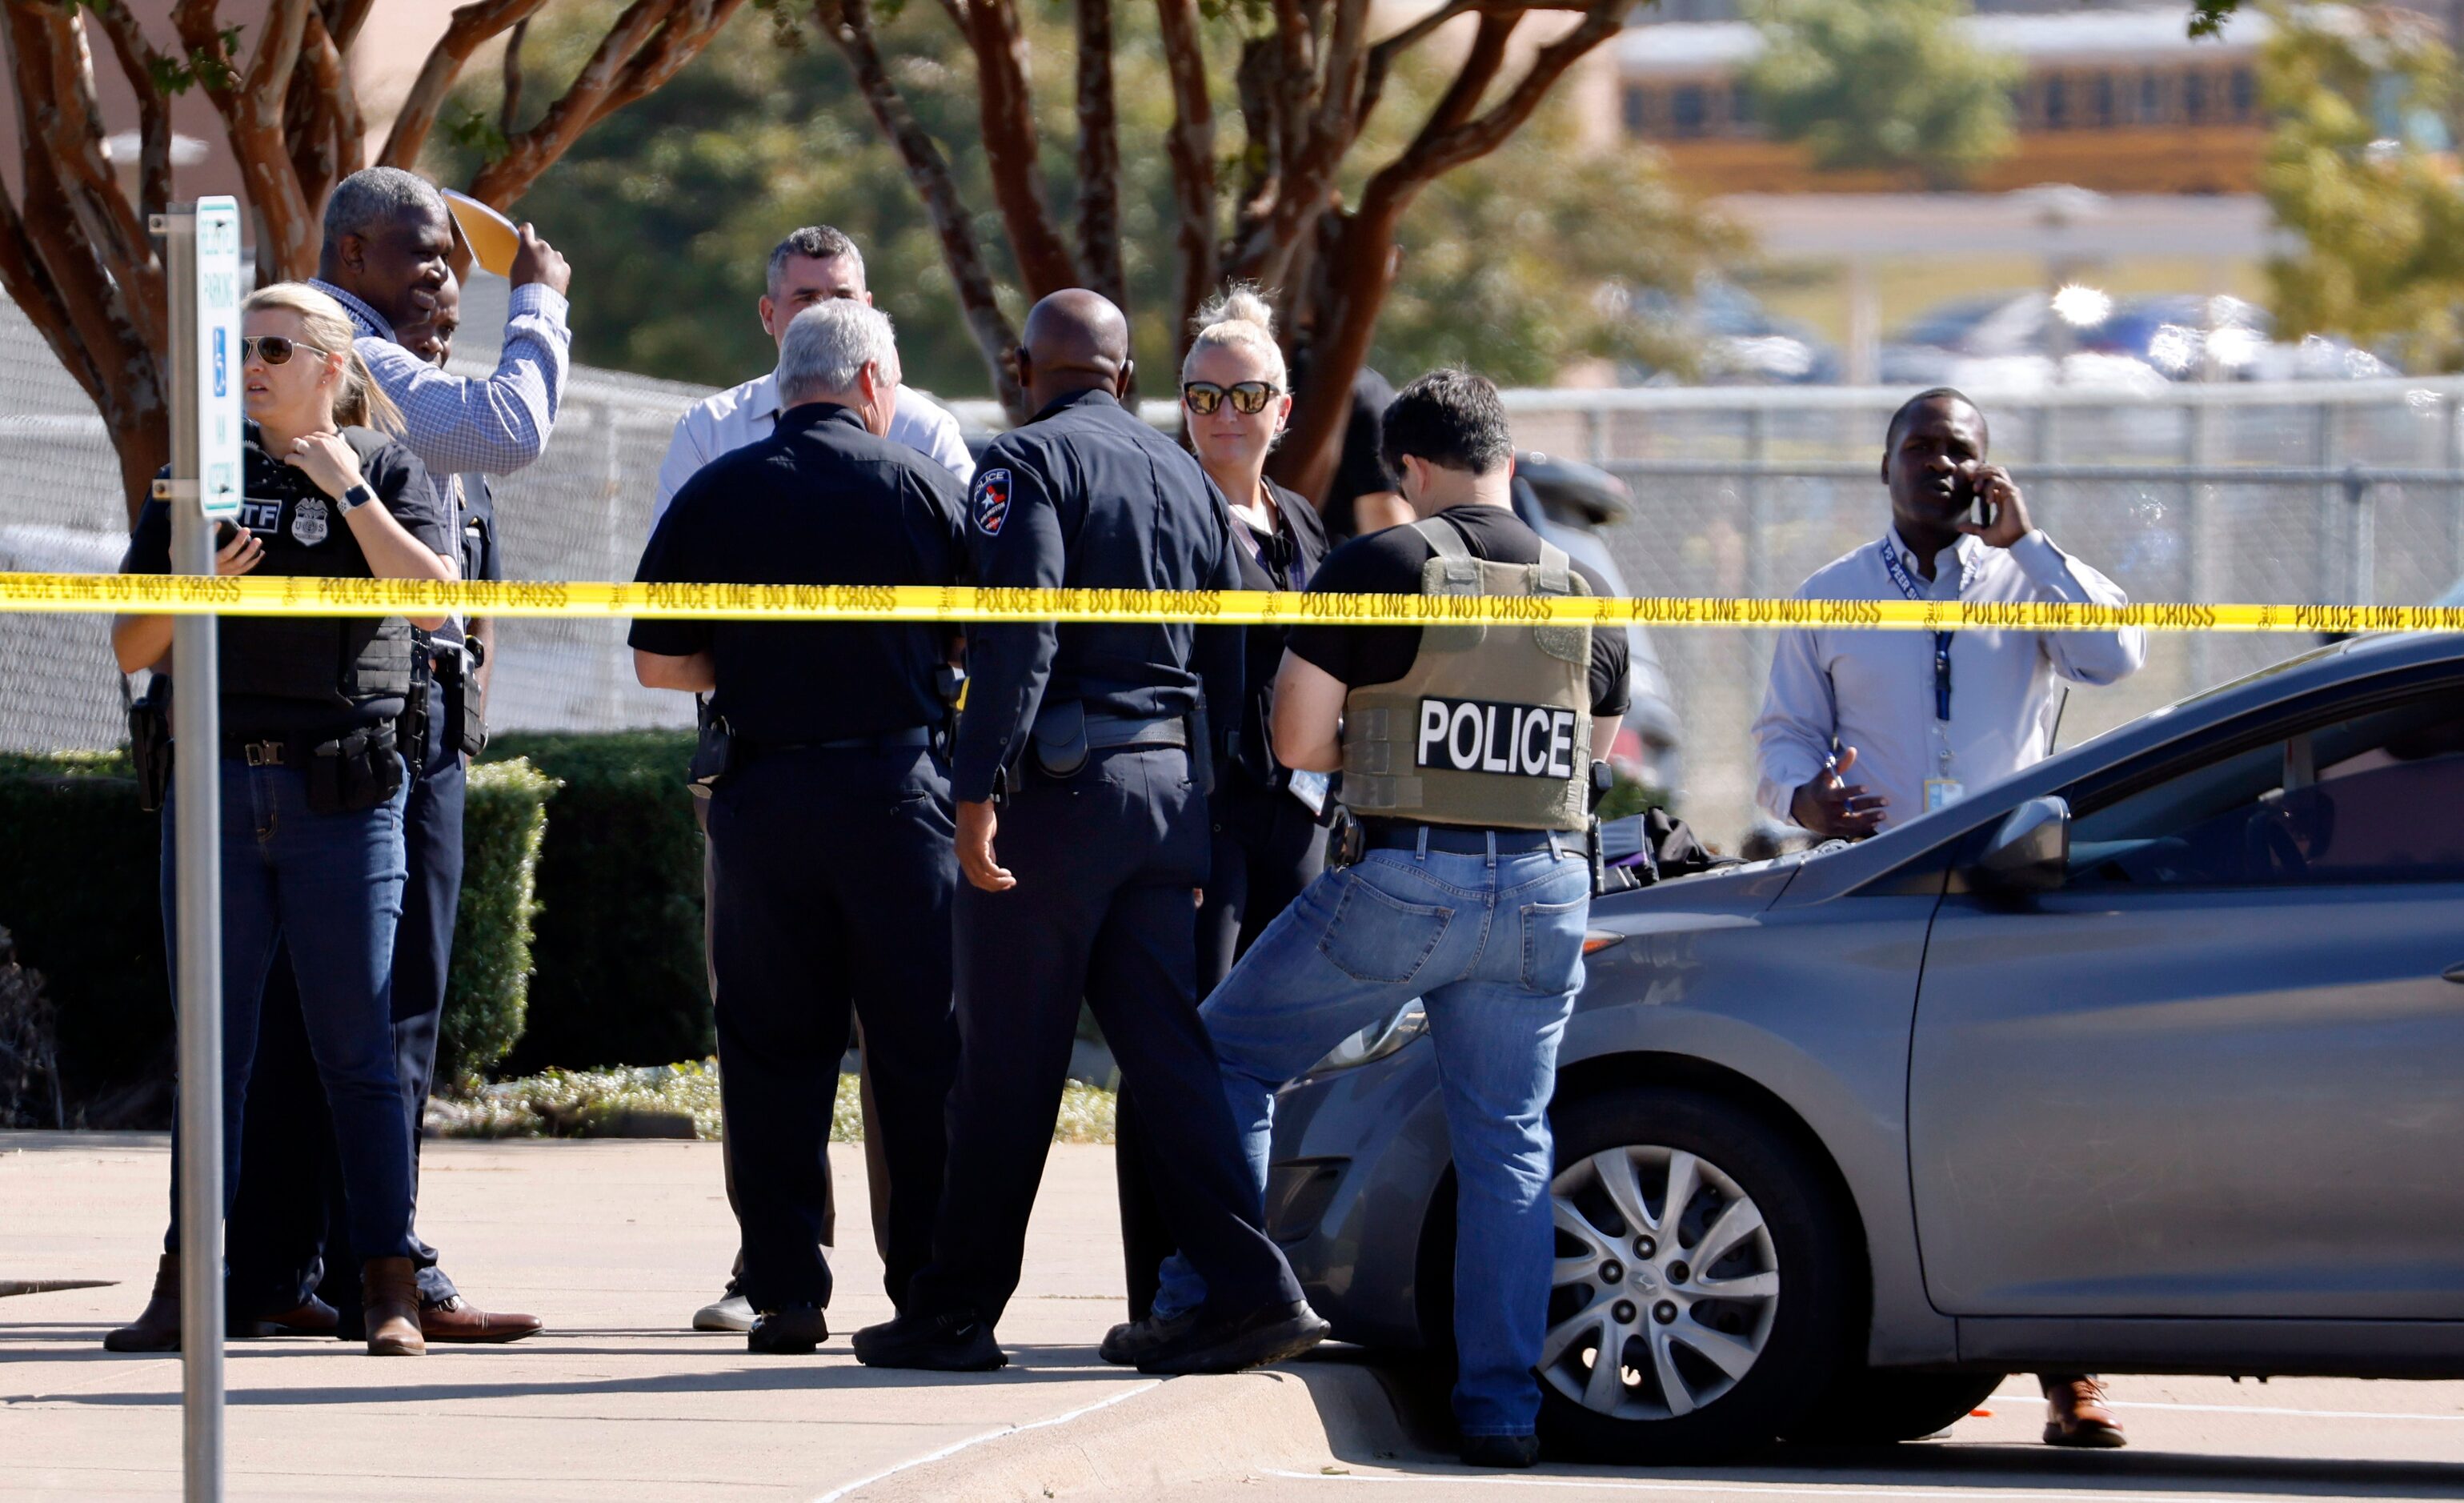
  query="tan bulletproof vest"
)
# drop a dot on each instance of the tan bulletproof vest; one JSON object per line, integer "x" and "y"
{"x": 1492, "y": 726}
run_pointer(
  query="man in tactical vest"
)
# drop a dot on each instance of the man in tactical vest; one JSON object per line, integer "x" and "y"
{"x": 1466, "y": 752}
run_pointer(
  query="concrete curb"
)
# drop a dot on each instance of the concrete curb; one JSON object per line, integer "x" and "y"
{"x": 1299, "y": 1417}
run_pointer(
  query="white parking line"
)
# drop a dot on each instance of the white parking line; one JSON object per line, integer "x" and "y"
{"x": 955, "y": 1446}
{"x": 2245, "y": 1408}
{"x": 1789, "y": 1490}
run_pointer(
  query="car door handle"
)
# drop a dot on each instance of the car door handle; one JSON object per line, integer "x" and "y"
{"x": 2453, "y": 973}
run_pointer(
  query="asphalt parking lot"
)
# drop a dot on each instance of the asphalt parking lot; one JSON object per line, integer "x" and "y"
{"x": 616, "y": 1243}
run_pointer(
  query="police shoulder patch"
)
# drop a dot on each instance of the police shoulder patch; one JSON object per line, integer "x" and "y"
{"x": 989, "y": 505}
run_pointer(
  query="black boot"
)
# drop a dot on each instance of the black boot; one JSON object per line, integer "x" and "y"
{"x": 1254, "y": 1338}
{"x": 954, "y": 1342}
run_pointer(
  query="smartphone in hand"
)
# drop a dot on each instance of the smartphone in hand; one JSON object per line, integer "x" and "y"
{"x": 225, "y": 530}
{"x": 1978, "y": 510}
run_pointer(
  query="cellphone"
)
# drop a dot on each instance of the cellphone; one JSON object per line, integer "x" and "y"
{"x": 224, "y": 532}
{"x": 1980, "y": 511}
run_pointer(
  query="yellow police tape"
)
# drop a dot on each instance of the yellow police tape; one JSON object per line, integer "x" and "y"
{"x": 158, "y": 594}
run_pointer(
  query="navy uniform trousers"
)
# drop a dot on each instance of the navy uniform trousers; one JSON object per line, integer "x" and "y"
{"x": 831, "y": 877}
{"x": 1268, "y": 847}
{"x": 285, "y": 1233}
{"x": 1107, "y": 860}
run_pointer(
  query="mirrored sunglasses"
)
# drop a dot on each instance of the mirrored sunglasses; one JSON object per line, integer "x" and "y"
{"x": 1248, "y": 397}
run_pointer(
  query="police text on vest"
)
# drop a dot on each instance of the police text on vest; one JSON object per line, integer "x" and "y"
{"x": 1524, "y": 740}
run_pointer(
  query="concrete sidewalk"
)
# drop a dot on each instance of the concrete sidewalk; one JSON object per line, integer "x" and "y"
{"x": 614, "y": 1244}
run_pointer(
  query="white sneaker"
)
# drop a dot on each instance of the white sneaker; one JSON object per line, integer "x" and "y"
{"x": 731, "y": 1312}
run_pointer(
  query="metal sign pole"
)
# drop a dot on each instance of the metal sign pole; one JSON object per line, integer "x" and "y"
{"x": 201, "y": 245}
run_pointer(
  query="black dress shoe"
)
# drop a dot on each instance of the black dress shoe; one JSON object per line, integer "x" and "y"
{"x": 1132, "y": 1342}
{"x": 1501, "y": 1450}
{"x": 1268, "y": 1334}
{"x": 953, "y": 1341}
{"x": 793, "y": 1332}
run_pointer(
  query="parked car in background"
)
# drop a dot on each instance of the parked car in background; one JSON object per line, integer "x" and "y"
{"x": 2190, "y": 338}
{"x": 1737, "y": 340}
{"x": 2007, "y": 339}
{"x": 2142, "y": 1060}
{"x": 1572, "y": 504}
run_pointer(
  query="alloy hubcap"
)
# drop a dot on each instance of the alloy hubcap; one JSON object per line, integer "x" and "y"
{"x": 1665, "y": 1284}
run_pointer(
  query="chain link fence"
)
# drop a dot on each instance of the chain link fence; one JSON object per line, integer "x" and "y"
{"x": 2329, "y": 494}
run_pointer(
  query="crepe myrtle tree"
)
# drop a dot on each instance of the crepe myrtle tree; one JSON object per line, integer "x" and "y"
{"x": 1309, "y": 77}
{"x": 74, "y": 250}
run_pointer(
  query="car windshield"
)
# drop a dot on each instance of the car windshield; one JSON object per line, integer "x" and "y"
{"x": 2204, "y": 695}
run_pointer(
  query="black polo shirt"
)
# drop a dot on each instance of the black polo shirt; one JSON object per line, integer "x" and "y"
{"x": 1285, "y": 560}
{"x": 1389, "y": 562}
{"x": 1090, "y": 497}
{"x": 820, "y": 501}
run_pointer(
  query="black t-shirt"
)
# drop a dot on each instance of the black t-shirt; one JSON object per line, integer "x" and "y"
{"x": 1361, "y": 471}
{"x": 1287, "y": 562}
{"x": 1389, "y": 562}
{"x": 303, "y": 534}
{"x": 820, "y": 501}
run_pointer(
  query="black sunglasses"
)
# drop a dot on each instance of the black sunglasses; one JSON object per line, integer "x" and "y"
{"x": 275, "y": 349}
{"x": 1249, "y": 397}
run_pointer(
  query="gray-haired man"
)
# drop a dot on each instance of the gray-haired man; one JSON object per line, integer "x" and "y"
{"x": 830, "y": 866}
{"x": 809, "y": 267}
{"x": 814, "y": 265}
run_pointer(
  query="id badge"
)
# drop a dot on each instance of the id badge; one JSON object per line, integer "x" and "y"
{"x": 1942, "y": 793}
{"x": 1310, "y": 788}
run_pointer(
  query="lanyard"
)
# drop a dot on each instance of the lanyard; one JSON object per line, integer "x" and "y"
{"x": 1941, "y": 639}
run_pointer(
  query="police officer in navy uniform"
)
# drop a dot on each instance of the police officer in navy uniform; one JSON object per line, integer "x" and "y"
{"x": 830, "y": 821}
{"x": 1092, "y": 740}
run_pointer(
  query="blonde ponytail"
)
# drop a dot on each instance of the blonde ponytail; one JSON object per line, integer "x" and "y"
{"x": 360, "y": 402}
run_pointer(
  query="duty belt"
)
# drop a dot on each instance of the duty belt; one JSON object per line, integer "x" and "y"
{"x": 1105, "y": 731}
{"x": 1462, "y": 840}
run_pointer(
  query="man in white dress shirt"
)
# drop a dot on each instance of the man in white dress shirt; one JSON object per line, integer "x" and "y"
{"x": 1923, "y": 718}
{"x": 812, "y": 265}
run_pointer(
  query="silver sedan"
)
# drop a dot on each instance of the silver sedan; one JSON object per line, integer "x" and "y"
{"x": 2147, "y": 1059}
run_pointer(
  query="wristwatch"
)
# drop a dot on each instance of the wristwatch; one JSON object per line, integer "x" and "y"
{"x": 352, "y": 499}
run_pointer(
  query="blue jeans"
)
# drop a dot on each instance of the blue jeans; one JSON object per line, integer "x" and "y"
{"x": 330, "y": 886}
{"x": 1493, "y": 947}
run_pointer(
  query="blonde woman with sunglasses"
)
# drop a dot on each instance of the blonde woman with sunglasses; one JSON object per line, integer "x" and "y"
{"x": 311, "y": 845}
{"x": 1268, "y": 825}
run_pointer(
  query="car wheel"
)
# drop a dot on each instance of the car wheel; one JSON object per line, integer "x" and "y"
{"x": 1865, "y": 1407}
{"x": 1701, "y": 1296}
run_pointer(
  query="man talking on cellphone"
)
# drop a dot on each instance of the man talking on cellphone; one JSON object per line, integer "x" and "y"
{"x": 1861, "y": 730}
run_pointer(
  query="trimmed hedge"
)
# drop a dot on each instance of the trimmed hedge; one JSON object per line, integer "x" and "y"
{"x": 80, "y": 875}
{"x": 80, "y": 872}
{"x": 620, "y": 974}
{"x": 487, "y": 988}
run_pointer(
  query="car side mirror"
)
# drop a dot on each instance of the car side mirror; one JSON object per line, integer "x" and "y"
{"x": 2031, "y": 852}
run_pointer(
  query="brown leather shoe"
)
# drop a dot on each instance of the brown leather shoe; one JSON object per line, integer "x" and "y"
{"x": 157, "y": 1328}
{"x": 457, "y": 1320}
{"x": 389, "y": 1295}
{"x": 2076, "y": 1414}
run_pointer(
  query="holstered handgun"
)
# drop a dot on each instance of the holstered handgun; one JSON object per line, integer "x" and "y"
{"x": 714, "y": 757}
{"x": 1201, "y": 750}
{"x": 150, "y": 740}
